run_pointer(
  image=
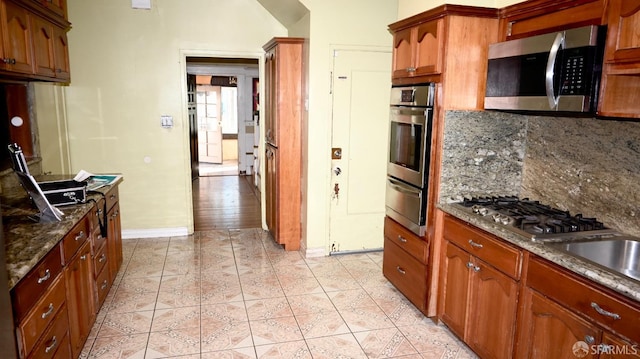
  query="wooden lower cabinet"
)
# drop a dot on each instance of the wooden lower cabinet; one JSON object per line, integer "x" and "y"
{"x": 80, "y": 297}
{"x": 548, "y": 330}
{"x": 614, "y": 347}
{"x": 479, "y": 303}
{"x": 114, "y": 241}
{"x": 405, "y": 261}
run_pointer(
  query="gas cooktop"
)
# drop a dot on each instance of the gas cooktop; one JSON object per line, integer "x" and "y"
{"x": 533, "y": 219}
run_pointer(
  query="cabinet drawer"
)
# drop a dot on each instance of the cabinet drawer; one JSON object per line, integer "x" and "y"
{"x": 103, "y": 285}
{"x": 100, "y": 259}
{"x": 492, "y": 250}
{"x": 55, "y": 342}
{"x": 75, "y": 238}
{"x": 406, "y": 240}
{"x": 112, "y": 197}
{"x": 585, "y": 298}
{"x": 406, "y": 273}
{"x": 43, "y": 313}
{"x": 33, "y": 286}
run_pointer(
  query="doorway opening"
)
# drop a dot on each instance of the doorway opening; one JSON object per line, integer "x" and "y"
{"x": 222, "y": 96}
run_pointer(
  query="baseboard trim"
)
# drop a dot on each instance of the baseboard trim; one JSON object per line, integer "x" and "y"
{"x": 314, "y": 252}
{"x": 154, "y": 232}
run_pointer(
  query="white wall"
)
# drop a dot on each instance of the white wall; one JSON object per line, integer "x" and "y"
{"x": 407, "y": 8}
{"x": 127, "y": 70}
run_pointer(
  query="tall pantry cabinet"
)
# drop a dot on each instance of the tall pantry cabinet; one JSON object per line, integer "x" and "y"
{"x": 283, "y": 115}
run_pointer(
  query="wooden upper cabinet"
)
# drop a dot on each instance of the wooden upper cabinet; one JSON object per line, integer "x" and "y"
{"x": 536, "y": 17}
{"x": 623, "y": 42}
{"x": 620, "y": 84}
{"x": 417, "y": 50}
{"x": 402, "y": 53}
{"x": 43, "y": 52}
{"x": 16, "y": 38}
{"x": 61, "y": 54}
{"x": 58, "y": 7}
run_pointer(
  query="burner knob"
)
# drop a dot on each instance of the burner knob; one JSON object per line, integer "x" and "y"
{"x": 483, "y": 211}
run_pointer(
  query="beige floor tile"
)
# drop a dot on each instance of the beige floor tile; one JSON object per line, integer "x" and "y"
{"x": 132, "y": 301}
{"x": 226, "y": 336}
{"x": 119, "y": 324}
{"x": 148, "y": 284}
{"x": 310, "y": 303}
{"x": 241, "y": 353}
{"x": 432, "y": 340}
{"x": 173, "y": 343}
{"x": 275, "y": 330}
{"x": 321, "y": 324}
{"x": 223, "y": 313}
{"x": 296, "y": 349}
{"x": 178, "y": 298}
{"x": 335, "y": 282}
{"x": 176, "y": 318}
{"x": 353, "y": 298}
{"x": 120, "y": 347}
{"x": 268, "y": 308}
{"x": 385, "y": 343}
{"x": 336, "y": 346}
{"x": 365, "y": 318}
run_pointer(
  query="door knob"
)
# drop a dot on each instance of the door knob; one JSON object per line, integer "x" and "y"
{"x": 337, "y": 170}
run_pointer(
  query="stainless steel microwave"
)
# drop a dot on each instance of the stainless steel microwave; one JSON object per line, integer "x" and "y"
{"x": 551, "y": 72}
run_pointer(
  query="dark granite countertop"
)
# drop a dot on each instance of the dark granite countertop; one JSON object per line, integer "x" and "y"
{"x": 619, "y": 283}
{"x": 27, "y": 241}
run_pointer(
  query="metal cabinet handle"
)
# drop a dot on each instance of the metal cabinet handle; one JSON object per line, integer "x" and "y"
{"x": 476, "y": 268}
{"x": 475, "y": 244}
{"x": 411, "y": 69}
{"x": 402, "y": 239}
{"x": 102, "y": 258}
{"x": 47, "y": 275}
{"x": 54, "y": 342}
{"x": 606, "y": 313}
{"x": 589, "y": 339}
{"x": 104, "y": 285}
{"x": 83, "y": 257}
{"x": 400, "y": 270}
{"x": 113, "y": 196}
{"x": 80, "y": 235}
{"x": 469, "y": 265}
{"x": 48, "y": 312}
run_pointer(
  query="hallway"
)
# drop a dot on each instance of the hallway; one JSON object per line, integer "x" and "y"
{"x": 223, "y": 202}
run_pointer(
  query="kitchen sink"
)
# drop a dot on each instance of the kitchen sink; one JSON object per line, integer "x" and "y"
{"x": 621, "y": 254}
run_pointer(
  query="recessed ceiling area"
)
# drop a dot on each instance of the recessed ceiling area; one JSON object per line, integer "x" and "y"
{"x": 287, "y": 12}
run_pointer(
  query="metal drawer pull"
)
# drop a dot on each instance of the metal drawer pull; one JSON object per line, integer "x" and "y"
{"x": 104, "y": 285}
{"x": 589, "y": 339}
{"x": 606, "y": 313}
{"x": 54, "y": 342}
{"x": 474, "y": 244}
{"x": 47, "y": 275}
{"x": 402, "y": 239}
{"x": 102, "y": 258}
{"x": 83, "y": 257}
{"x": 48, "y": 312}
{"x": 400, "y": 270}
{"x": 476, "y": 269}
{"x": 80, "y": 236}
{"x": 469, "y": 265}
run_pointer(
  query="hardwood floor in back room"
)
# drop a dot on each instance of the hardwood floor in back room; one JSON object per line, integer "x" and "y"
{"x": 225, "y": 202}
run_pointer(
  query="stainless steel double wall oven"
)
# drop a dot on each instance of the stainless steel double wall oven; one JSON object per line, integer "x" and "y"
{"x": 411, "y": 117}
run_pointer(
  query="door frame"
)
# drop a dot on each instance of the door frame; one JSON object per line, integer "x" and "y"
{"x": 184, "y": 53}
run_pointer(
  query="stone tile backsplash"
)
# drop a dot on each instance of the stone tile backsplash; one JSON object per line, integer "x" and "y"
{"x": 583, "y": 165}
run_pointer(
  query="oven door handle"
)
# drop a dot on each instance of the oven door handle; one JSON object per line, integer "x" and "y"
{"x": 411, "y": 111}
{"x": 398, "y": 186}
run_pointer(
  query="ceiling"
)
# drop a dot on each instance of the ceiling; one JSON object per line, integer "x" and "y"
{"x": 287, "y": 12}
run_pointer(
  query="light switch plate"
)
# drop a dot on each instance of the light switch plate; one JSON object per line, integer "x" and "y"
{"x": 166, "y": 121}
{"x": 141, "y": 4}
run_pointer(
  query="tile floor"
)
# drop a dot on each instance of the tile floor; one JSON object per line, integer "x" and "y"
{"x": 236, "y": 294}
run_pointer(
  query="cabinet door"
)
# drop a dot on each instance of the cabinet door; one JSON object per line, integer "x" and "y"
{"x": 614, "y": 347}
{"x": 271, "y": 118}
{"x": 114, "y": 241}
{"x": 493, "y": 298}
{"x": 59, "y": 7}
{"x": 271, "y": 195}
{"x": 406, "y": 273}
{"x": 623, "y": 38}
{"x": 455, "y": 288}
{"x": 61, "y": 53}
{"x": 43, "y": 52}
{"x": 16, "y": 33}
{"x": 548, "y": 330}
{"x": 402, "y": 53}
{"x": 429, "y": 46}
{"x": 80, "y": 297}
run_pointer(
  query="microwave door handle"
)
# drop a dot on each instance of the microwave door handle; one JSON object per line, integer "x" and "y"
{"x": 551, "y": 67}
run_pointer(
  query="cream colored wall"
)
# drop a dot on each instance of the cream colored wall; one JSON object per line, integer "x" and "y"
{"x": 128, "y": 70}
{"x": 333, "y": 23}
{"x": 407, "y": 8}
{"x": 229, "y": 150}
{"x": 52, "y": 128}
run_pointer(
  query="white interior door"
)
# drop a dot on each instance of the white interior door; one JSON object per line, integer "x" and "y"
{"x": 361, "y": 87}
{"x": 209, "y": 124}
